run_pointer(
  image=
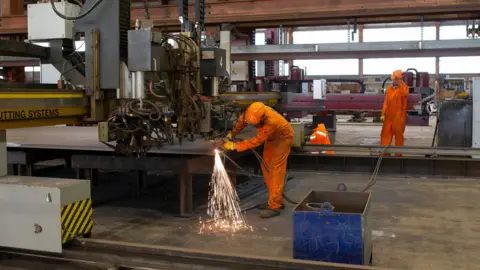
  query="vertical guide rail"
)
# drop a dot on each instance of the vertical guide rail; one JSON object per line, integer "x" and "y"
{"x": 96, "y": 99}
{"x": 183, "y": 15}
{"x": 199, "y": 21}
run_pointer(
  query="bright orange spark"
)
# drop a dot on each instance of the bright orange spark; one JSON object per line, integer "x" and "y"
{"x": 225, "y": 214}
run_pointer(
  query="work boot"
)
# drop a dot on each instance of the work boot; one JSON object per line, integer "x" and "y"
{"x": 269, "y": 213}
{"x": 264, "y": 206}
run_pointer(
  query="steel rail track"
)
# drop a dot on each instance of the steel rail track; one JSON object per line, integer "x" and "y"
{"x": 105, "y": 254}
{"x": 376, "y": 149}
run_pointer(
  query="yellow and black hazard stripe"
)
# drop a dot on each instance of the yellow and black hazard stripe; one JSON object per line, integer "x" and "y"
{"x": 76, "y": 220}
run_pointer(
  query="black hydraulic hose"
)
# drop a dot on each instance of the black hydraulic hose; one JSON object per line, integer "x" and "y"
{"x": 416, "y": 71}
{"x": 52, "y": 2}
{"x": 385, "y": 81}
{"x": 435, "y": 132}
{"x": 263, "y": 164}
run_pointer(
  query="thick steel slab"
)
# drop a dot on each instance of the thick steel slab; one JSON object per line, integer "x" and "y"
{"x": 85, "y": 139}
{"x": 122, "y": 163}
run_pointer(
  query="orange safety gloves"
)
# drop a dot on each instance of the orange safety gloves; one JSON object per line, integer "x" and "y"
{"x": 394, "y": 112}
{"x": 230, "y": 136}
{"x": 228, "y": 145}
{"x": 320, "y": 136}
{"x": 275, "y": 132}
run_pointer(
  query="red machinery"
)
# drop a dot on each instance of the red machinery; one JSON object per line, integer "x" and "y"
{"x": 297, "y": 105}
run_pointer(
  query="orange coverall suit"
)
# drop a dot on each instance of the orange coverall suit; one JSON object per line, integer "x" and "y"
{"x": 395, "y": 113}
{"x": 320, "y": 136}
{"x": 277, "y": 134}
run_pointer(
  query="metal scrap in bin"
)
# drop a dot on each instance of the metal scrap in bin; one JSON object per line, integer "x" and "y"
{"x": 333, "y": 226}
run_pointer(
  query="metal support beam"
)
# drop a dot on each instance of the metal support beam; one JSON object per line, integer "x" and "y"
{"x": 12, "y": 7}
{"x": 455, "y": 167}
{"x": 407, "y": 150}
{"x": 437, "y": 58}
{"x": 264, "y": 14}
{"x": 360, "y": 40}
{"x": 431, "y": 48}
{"x": 9, "y": 61}
{"x": 23, "y": 49}
{"x": 3, "y": 153}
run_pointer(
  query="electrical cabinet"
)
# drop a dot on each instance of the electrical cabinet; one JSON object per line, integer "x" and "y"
{"x": 42, "y": 14}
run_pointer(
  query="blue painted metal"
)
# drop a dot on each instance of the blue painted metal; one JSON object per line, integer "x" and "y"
{"x": 333, "y": 227}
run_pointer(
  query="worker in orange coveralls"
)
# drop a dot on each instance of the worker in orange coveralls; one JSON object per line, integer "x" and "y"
{"x": 394, "y": 112}
{"x": 320, "y": 136}
{"x": 275, "y": 132}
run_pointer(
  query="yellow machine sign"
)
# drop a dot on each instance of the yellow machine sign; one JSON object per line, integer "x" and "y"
{"x": 28, "y": 114}
{"x": 36, "y": 113}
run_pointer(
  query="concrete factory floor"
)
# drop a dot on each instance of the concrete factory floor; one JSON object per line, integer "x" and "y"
{"x": 418, "y": 223}
{"x": 86, "y": 138}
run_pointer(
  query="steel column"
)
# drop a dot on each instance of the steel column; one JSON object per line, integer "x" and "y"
{"x": 360, "y": 60}
{"x": 437, "y": 58}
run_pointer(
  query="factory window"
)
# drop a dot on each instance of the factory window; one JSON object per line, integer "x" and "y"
{"x": 380, "y": 66}
{"x": 398, "y": 34}
{"x": 453, "y": 32}
{"x": 32, "y": 69}
{"x": 460, "y": 65}
{"x": 329, "y": 66}
{"x": 80, "y": 46}
{"x": 322, "y": 37}
{"x": 32, "y": 74}
{"x": 259, "y": 40}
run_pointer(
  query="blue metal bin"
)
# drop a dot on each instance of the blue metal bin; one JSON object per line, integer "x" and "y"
{"x": 333, "y": 226}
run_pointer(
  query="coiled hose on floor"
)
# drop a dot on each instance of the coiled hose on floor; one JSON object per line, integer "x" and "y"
{"x": 264, "y": 165}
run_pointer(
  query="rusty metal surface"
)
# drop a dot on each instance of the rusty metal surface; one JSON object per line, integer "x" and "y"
{"x": 13, "y": 25}
{"x": 265, "y": 13}
{"x": 268, "y": 13}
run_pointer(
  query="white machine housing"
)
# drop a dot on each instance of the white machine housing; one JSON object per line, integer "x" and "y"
{"x": 319, "y": 89}
{"x": 31, "y": 210}
{"x": 44, "y": 24}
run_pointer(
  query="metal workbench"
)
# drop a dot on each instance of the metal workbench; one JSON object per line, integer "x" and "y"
{"x": 81, "y": 150}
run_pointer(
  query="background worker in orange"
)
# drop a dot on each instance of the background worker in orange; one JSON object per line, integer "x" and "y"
{"x": 320, "y": 136}
{"x": 394, "y": 112}
{"x": 275, "y": 132}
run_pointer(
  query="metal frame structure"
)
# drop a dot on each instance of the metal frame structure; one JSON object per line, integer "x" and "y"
{"x": 87, "y": 163}
{"x": 262, "y": 13}
{"x": 467, "y": 47}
